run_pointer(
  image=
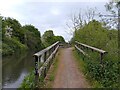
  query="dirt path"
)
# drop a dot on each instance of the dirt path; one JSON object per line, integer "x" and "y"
{"x": 68, "y": 75}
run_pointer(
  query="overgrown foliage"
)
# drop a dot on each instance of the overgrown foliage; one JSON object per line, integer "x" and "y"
{"x": 95, "y": 35}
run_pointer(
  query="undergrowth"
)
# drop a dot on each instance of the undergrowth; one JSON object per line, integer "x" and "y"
{"x": 100, "y": 76}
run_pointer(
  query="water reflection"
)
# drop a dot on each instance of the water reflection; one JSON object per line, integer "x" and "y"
{"x": 15, "y": 68}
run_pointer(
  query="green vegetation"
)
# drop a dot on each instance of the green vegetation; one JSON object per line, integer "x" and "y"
{"x": 11, "y": 46}
{"x": 49, "y": 38}
{"x": 96, "y": 35}
{"x": 17, "y": 38}
{"x": 29, "y": 80}
{"x": 32, "y": 38}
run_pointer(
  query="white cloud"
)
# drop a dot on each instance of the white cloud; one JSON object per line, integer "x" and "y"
{"x": 55, "y": 11}
{"x": 43, "y": 14}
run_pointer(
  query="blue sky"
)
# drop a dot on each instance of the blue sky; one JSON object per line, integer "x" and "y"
{"x": 48, "y": 14}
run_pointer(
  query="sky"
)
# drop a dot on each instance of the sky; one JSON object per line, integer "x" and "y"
{"x": 49, "y": 14}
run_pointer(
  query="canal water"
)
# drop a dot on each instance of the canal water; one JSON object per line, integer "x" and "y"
{"x": 15, "y": 68}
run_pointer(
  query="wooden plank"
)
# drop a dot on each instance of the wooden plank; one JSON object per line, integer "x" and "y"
{"x": 80, "y": 50}
{"x": 40, "y": 71}
{"x": 46, "y": 49}
{"x": 90, "y": 47}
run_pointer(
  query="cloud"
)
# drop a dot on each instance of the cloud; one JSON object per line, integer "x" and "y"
{"x": 46, "y": 15}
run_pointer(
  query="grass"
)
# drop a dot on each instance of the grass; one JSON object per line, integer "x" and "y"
{"x": 99, "y": 76}
{"x": 82, "y": 67}
{"x": 28, "y": 81}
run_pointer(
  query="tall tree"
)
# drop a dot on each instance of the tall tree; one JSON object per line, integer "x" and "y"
{"x": 111, "y": 20}
{"x": 49, "y": 38}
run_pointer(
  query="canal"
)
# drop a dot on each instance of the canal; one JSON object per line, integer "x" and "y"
{"x": 15, "y": 68}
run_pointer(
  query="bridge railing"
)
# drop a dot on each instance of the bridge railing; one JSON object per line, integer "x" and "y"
{"x": 80, "y": 46}
{"x": 45, "y": 57}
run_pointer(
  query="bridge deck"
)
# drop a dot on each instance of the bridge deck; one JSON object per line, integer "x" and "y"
{"x": 68, "y": 75}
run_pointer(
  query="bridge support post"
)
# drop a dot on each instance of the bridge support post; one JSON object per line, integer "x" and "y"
{"x": 45, "y": 55}
{"x": 101, "y": 58}
{"x": 36, "y": 71}
{"x": 36, "y": 65}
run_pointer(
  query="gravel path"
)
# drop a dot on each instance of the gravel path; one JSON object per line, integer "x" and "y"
{"x": 68, "y": 75}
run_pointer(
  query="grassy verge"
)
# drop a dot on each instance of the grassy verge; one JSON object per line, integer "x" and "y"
{"x": 28, "y": 81}
{"x": 99, "y": 76}
{"x": 83, "y": 67}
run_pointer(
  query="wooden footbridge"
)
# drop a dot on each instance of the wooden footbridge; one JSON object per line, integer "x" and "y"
{"x": 44, "y": 59}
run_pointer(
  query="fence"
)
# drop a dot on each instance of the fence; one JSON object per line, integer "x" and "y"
{"x": 80, "y": 46}
{"x": 44, "y": 59}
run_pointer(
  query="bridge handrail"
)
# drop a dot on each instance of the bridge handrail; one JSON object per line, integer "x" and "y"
{"x": 46, "y": 49}
{"x": 102, "y": 52}
{"x": 46, "y": 55}
{"x": 90, "y": 47}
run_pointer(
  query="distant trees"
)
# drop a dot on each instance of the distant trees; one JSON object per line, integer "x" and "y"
{"x": 18, "y": 38}
{"x": 49, "y": 38}
{"x": 59, "y": 38}
{"x": 21, "y": 37}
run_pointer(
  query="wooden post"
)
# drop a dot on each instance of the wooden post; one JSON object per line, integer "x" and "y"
{"x": 36, "y": 65}
{"x": 44, "y": 72}
{"x": 36, "y": 72}
{"x": 49, "y": 52}
{"x": 54, "y": 48}
{"x": 36, "y": 81}
{"x": 101, "y": 58}
{"x": 45, "y": 56}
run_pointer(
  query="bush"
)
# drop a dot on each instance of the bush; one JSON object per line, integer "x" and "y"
{"x": 106, "y": 74}
{"x": 94, "y": 34}
{"x": 11, "y": 46}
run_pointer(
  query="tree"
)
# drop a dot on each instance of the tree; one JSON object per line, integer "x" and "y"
{"x": 22, "y": 37}
{"x": 15, "y": 25}
{"x": 111, "y": 20}
{"x": 79, "y": 20}
{"x": 59, "y": 38}
{"x": 49, "y": 38}
{"x": 32, "y": 37}
{"x": 0, "y": 28}
{"x": 32, "y": 29}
